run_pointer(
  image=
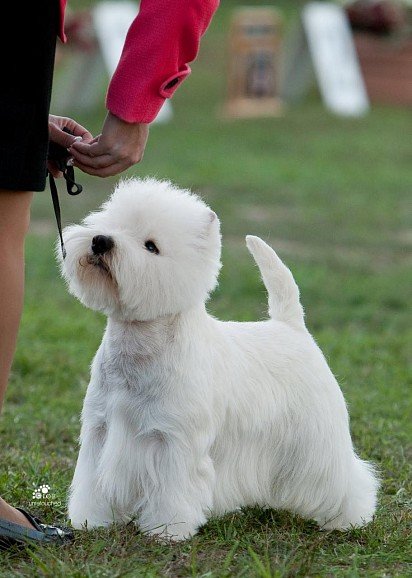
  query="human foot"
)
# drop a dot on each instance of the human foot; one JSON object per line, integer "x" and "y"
{"x": 11, "y": 514}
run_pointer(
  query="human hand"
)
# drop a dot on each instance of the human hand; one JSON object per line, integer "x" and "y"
{"x": 120, "y": 145}
{"x": 60, "y": 137}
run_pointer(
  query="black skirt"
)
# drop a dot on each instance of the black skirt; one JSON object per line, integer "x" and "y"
{"x": 28, "y": 36}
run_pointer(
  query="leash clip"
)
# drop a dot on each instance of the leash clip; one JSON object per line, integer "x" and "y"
{"x": 59, "y": 156}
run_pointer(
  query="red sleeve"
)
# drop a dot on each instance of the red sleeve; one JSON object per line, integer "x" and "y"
{"x": 162, "y": 39}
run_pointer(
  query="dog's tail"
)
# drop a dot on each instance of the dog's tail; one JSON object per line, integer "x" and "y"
{"x": 283, "y": 293}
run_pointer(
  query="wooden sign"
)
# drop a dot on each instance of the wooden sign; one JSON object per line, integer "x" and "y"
{"x": 322, "y": 46}
{"x": 254, "y": 47}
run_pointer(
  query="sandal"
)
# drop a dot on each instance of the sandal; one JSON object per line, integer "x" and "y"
{"x": 12, "y": 533}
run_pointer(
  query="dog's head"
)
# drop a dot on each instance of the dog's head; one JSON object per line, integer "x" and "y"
{"x": 151, "y": 250}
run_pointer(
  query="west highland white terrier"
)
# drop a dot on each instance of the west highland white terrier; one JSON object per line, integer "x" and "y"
{"x": 186, "y": 416}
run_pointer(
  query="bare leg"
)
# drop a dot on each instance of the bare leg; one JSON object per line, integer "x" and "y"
{"x": 14, "y": 222}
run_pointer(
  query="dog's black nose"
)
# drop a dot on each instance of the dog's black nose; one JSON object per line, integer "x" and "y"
{"x": 102, "y": 244}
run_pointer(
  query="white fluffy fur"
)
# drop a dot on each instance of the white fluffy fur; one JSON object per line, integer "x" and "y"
{"x": 187, "y": 416}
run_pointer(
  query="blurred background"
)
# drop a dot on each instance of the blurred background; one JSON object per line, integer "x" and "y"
{"x": 325, "y": 189}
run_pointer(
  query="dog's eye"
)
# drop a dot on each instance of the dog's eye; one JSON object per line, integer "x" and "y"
{"x": 150, "y": 246}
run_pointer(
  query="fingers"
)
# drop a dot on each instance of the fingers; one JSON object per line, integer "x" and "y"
{"x": 107, "y": 171}
{"x": 59, "y": 136}
{"x": 92, "y": 149}
{"x": 118, "y": 147}
{"x": 77, "y": 130}
{"x": 99, "y": 160}
{"x": 105, "y": 165}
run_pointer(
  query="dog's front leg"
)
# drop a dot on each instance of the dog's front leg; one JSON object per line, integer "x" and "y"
{"x": 179, "y": 482}
{"x": 87, "y": 505}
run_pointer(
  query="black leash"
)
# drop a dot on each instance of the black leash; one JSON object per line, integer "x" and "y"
{"x": 59, "y": 155}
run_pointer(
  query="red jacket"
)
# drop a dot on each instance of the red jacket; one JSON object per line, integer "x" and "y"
{"x": 162, "y": 39}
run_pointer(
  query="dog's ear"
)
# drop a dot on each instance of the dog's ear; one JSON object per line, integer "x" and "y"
{"x": 212, "y": 216}
{"x": 210, "y": 219}
{"x": 213, "y": 221}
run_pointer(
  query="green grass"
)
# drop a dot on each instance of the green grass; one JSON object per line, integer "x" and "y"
{"x": 333, "y": 197}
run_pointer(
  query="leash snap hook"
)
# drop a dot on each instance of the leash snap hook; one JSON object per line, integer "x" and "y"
{"x": 59, "y": 155}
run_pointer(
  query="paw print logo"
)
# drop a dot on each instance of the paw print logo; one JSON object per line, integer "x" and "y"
{"x": 41, "y": 491}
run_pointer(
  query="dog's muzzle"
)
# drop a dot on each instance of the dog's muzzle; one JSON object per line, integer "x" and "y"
{"x": 102, "y": 244}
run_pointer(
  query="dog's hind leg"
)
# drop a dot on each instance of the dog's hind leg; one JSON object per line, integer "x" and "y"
{"x": 359, "y": 504}
{"x": 283, "y": 293}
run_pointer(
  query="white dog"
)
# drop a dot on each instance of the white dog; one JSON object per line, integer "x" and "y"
{"x": 187, "y": 416}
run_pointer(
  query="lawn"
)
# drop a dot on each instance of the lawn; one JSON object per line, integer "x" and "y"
{"x": 333, "y": 197}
